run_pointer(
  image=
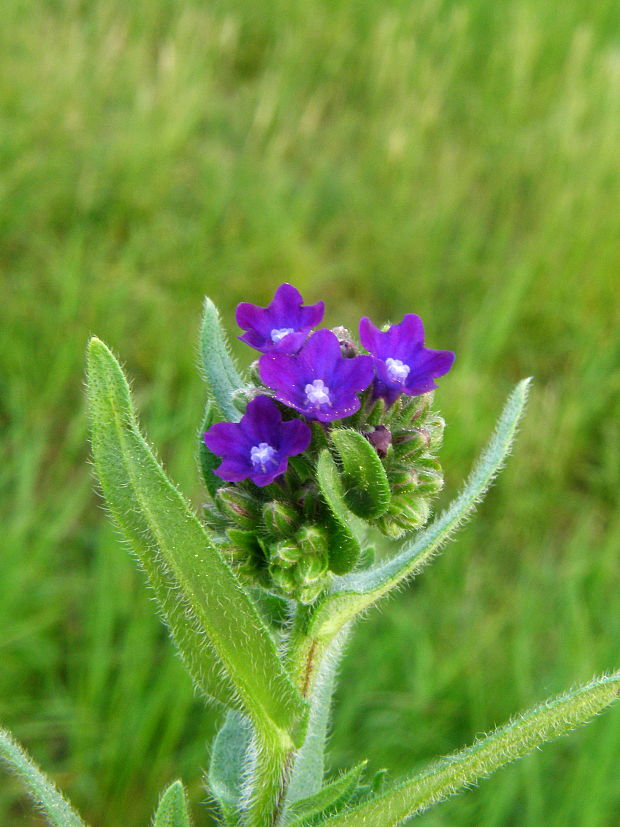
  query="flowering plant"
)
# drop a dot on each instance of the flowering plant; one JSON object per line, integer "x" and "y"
{"x": 322, "y": 448}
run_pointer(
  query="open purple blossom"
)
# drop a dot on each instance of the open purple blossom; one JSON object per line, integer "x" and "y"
{"x": 402, "y": 363}
{"x": 257, "y": 447}
{"x": 281, "y": 326}
{"x": 318, "y": 381}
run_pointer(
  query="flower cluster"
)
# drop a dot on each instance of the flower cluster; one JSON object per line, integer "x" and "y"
{"x": 274, "y": 518}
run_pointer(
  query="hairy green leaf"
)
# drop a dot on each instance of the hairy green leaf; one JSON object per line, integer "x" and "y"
{"x": 357, "y": 591}
{"x": 344, "y": 548}
{"x": 219, "y": 370}
{"x": 228, "y": 757}
{"x": 223, "y": 639}
{"x": 172, "y": 809}
{"x": 334, "y": 795}
{"x": 41, "y": 789}
{"x": 366, "y": 487}
{"x": 450, "y": 775}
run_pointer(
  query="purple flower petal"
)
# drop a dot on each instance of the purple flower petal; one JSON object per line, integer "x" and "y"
{"x": 319, "y": 381}
{"x": 257, "y": 447}
{"x": 402, "y": 362}
{"x": 281, "y": 326}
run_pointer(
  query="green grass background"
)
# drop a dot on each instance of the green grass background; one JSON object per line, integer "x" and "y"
{"x": 459, "y": 160}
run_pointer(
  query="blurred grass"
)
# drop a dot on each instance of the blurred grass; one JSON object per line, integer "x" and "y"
{"x": 454, "y": 159}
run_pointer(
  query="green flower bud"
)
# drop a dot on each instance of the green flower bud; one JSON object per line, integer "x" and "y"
{"x": 436, "y": 426}
{"x": 285, "y": 552}
{"x": 312, "y": 540}
{"x": 414, "y": 408}
{"x": 410, "y": 444}
{"x": 280, "y": 519}
{"x": 410, "y": 512}
{"x": 405, "y": 513}
{"x": 403, "y": 481}
{"x": 239, "y": 506}
{"x": 283, "y": 578}
{"x": 310, "y": 568}
{"x": 430, "y": 476}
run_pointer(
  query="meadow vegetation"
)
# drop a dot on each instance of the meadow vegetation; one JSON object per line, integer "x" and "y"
{"x": 458, "y": 160}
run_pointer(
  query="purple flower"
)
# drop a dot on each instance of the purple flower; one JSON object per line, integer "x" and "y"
{"x": 319, "y": 381}
{"x": 283, "y": 325}
{"x": 402, "y": 362}
{"x": 257, "y": 447}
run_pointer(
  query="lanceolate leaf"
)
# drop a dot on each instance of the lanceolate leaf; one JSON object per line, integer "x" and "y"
{"x": 450, "y": 775}
{"x": 43, "y": 792}
{"x": 344, "y": 550}
{"x": 354, "y": 592}
{"x": 367, "y": 491}
{"x": 228, "y": 757}
{"x": 172, "y": 809}
{"x": 332, "y": 796}
{"x": 226, "y": 636}
{"x": 219, "y": 370}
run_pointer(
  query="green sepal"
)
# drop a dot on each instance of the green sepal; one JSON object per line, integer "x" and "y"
{"x": 204, "y": 603}
{"x": 219, "y": 370}
{"x": 331, "y": 798}
{"x": 557, "y": 716}
{"x": 172, "y": 810}
{"x": 228, "y": 758}
{"x": 344, "y": 548}
{"x": 207, "y": 460}
{"x": 366, "y": 487}
{"x": 41, "y": 789}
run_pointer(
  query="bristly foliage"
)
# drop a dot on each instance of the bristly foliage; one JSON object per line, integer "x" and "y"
{"x": 320, "y": 447}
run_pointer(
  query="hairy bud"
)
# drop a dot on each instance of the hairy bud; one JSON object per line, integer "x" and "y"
{"x": 280, "y": 519}
{"x": 239, "y": 506}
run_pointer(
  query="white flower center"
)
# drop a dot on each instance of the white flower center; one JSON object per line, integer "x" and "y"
{"x": 278, "y": 333}
{"x": 397, "y": 370}
{"x": 262, "y": 455}
{"x": 317, "y": 393}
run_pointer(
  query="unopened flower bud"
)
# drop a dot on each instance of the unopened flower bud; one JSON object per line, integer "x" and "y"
{"x": 312, "y": 541}
{"x": 430, "y": 476}
{"x": 239, "y": 506}
{"x": 410, "y": 512}
{"x": 436, "y": 426}
{"x": 402, "y": 481}
{"x": 406, "y": 513}
{"x": 280, "y": 519}
{"x": 286, "y": 552}
{"x": 283, "y": 578}
{"x": 380, "y": 438}
{"x": 411, "y": 443}
{"x": 310, "y": 568}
